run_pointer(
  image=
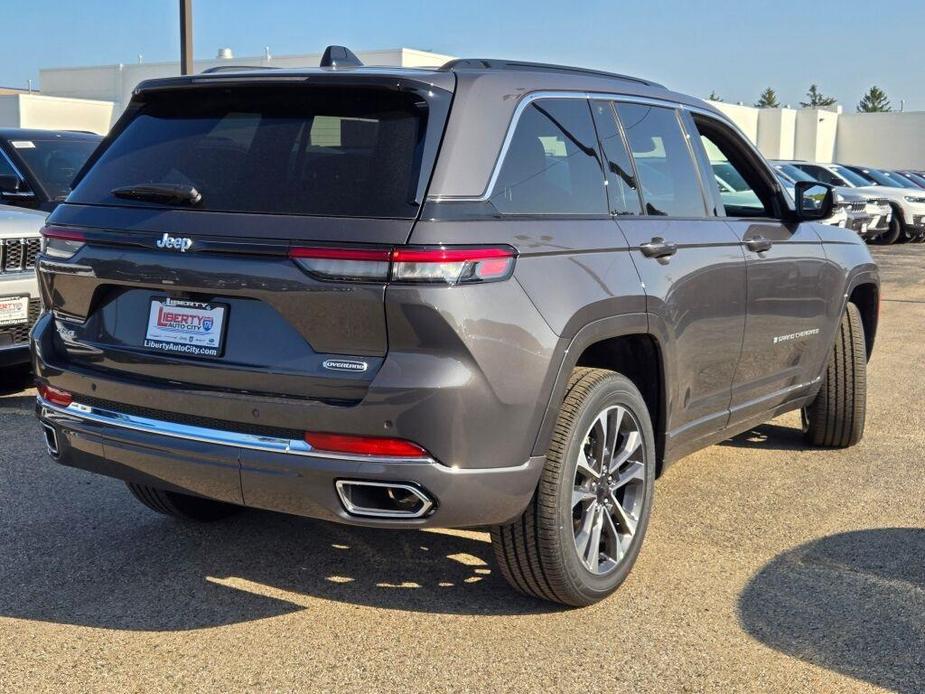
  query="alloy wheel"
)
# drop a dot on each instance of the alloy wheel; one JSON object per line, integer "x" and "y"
{"x": 608, "y": 490}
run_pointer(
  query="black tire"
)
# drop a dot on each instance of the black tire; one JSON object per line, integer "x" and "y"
{"x": 537, "y": 552}
{"x": 183, "y": 506}
{"x": 835, "y": 418}
{"x": 892, "y": 234}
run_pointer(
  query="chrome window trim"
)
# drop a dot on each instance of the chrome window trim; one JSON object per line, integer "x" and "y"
{"x": 528, "y": 99}
{"x": 220, "y": 437}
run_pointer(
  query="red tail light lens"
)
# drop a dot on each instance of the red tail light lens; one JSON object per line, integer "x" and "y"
{"x": 55, "y": 396}
{"x": 364, "y": 264}
{"x": 365, "y": 445}
{"x": 434, "y": 265}
{"x": 61, "y": 243}
{"x": 452, "y": 265}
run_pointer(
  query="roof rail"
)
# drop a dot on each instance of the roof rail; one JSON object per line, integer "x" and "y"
{"x": 236, "y": 68}
{"x": 339, "y": 56}
{"x": 496, "y": 64}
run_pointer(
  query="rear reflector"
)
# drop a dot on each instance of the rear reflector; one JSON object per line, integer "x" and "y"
{"x": 438, "y": 264}
{"x": 61, "y": 242}
{"x": 55, "y": 396}
{"x": 365, "y": 445}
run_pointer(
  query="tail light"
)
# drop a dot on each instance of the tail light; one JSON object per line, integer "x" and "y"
{"x": 55, "y": 396}
{"x": 61, "y": 243}
{"x": 365, "y": 445}
{"x": 447, "y": 265}
{"x": 452, "y": 265}
{"x": 369, "y": 264}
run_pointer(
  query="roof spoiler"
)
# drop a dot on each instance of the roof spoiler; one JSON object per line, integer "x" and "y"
{"x": 339, "y": 56}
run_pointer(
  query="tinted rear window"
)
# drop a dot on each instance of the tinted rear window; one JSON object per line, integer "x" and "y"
{"x": 297, "y": 150}
{"x": 54, "y": 163}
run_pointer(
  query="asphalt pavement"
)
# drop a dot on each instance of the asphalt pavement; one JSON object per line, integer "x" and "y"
{"x": 767, "y": 567}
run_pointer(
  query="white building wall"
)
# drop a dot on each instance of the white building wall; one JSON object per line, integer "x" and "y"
{"x": 55, "y": 113}
{"x": 890, "y": 140}
{"x": 745, "y": 117}
{"x": 777, "y": 132}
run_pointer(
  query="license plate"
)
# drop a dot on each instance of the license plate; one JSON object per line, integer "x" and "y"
{"x": 14, "y": 310}
{"x": 186, "y": 327}
{"x": 864, "y": 228}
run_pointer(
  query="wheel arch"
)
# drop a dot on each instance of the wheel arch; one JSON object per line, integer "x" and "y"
{"x": 623, "y": 344}
{"x": 865, "y": 294}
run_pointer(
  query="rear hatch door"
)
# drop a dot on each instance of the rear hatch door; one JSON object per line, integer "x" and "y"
{"x": 209, "y": 287}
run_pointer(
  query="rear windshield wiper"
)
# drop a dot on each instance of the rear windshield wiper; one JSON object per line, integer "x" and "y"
{"x": 168, "y": 193}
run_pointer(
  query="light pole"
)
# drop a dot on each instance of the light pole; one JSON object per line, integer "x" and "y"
{"x": 186, "y": 37}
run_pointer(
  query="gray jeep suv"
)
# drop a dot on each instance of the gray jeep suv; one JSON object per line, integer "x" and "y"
{"x": 490, "y": 294}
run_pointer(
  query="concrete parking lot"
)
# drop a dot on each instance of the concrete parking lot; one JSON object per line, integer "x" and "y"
{"x": 767, "y": 566}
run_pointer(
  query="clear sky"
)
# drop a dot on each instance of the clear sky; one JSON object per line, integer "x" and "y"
{"x": 733, "y": 47}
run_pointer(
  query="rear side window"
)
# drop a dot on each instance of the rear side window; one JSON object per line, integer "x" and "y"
{"x": 663, "y": 161}
{"x": 314, "y": 151}
{"x": 551, "y": 165}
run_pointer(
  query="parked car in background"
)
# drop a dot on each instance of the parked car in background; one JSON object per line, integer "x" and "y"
{"x": 913, "y": 176}
{"x": 869, "y": 217}
{"x": 908, "y": 218}
{"x": 19, "y": 299}
{"x": 38, "y": 166}
{"x": 355, "y": 308}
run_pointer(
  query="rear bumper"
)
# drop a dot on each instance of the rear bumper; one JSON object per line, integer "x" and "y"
{"x": 14, "y": 355}
{"x": 275, "y": 474}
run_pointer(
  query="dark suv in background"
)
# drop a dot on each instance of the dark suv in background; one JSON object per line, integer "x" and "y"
{"x": 38, "y": 166}
{"x": 490, "y": 294}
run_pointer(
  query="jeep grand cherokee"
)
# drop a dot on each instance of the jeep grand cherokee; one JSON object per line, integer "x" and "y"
{"x": 490, "y": 294}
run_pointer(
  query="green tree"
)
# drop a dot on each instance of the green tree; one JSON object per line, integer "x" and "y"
{"x": 714, "y": 96}
{"x": 874, "y": 101}
{"x": 768, "y": 99}
{"x": 816, "y": 99}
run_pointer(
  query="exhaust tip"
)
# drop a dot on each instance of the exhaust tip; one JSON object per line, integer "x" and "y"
{"x": 51, "y": 440}
{"x": 383, "y": 499}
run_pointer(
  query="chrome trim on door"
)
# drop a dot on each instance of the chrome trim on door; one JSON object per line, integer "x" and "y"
{"x": 219, "y": 437}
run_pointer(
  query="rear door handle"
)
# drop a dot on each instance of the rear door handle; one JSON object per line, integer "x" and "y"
{"x": 759, "y": 244}
{"x": 658, "y": 248}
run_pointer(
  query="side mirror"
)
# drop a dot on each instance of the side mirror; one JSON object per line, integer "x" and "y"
{"x": 814, "y": 200}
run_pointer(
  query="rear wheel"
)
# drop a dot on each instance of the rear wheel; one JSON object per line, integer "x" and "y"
{"x": 579, "y": 537}
{"x": 182, "y": 506}
{"x": 835, "y": 418}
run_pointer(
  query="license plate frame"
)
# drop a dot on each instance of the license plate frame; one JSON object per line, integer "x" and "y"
{"x": 14, "y": 310}
{"x": 184, "y": 329}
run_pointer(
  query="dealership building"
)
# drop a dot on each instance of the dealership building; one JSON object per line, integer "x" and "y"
{"x": 91, "y": 98}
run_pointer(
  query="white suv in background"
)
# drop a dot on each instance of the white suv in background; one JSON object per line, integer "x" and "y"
{"x": 19, "y": 302}
{"x": 908, "y": 220}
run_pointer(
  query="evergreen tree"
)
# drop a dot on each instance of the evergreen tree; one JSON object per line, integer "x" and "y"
{"x": 714, "y": 96}
{"x": 817, "y": 99}
{"x": 768, "y": 99}
{"x": 874, "y": 101}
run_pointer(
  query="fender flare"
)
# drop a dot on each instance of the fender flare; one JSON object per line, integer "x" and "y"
{"x": 596, "y": 331}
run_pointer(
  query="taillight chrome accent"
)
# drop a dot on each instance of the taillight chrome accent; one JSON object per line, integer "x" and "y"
{"x": 61, "y": 243}
{"x": 447, "y": 265}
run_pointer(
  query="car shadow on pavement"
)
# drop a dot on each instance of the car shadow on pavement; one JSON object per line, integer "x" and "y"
{"x": 770, "y": 437}
{"x": 15, "y": 379}
{"x": 853, "y": 603}
{"x": 134, "y": 570}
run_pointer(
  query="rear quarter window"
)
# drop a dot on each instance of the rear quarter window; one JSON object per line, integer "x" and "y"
{"x": 297, "y": 150}
{"x": 552, "y": 165}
